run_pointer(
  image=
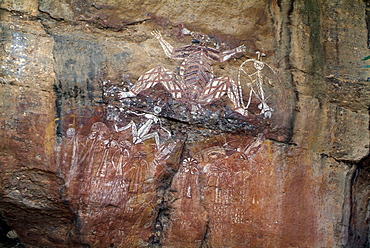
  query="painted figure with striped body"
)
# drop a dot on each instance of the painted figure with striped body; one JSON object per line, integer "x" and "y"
{"x": 195, "y": 83}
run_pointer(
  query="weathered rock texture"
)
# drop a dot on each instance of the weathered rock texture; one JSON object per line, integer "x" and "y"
{"x": 74, "y": 174}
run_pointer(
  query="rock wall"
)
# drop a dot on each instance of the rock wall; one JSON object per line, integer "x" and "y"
{"x": 82, "y": 165}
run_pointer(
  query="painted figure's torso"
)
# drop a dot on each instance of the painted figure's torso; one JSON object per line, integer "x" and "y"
{"x": 195, "y": 70}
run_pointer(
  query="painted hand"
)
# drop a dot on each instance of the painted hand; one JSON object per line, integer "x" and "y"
{"x": 241, "y": 49}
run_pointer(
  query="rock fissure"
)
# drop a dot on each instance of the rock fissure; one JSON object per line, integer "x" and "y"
{"x": 163, "y": 217}
{"x": 47, "y": 15}
{"x": 204, "y": 243}
{"x": 367, "y": 18}
{"x": 358, "y": 230}
{"x": 138, "y": 22}
{"x": 349, "y": 163}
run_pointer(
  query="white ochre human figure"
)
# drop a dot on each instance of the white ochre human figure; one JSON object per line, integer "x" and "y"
{"x": 143, "y": 132}
{"x": 257, "y": 80}
{"x": 195, "y": 83}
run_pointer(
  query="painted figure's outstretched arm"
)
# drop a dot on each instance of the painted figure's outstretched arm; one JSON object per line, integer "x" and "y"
{"x": 168, "y": 49}
{"x": 226, "y": 55}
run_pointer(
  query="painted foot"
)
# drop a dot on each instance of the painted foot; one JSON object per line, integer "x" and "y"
{"x": 265, "y": 110}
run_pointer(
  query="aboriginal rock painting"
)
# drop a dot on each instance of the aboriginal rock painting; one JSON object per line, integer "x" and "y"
{"x": 224, "y": 187}
{"x": 195, "y": 82}
{"x": 111, "y": 172}
{"x": 258, "y": 75}
{"x": 114, "y": 165}
{"x": 139, "y": 134}
{"x": 257, "y": 95}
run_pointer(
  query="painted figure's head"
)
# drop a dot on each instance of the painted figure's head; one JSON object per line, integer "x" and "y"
{"x": 198, "y": 38}
{"x": 259, "y": 65}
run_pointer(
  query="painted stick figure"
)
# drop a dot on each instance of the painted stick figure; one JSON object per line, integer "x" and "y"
{"x": 195, "y": 84}
{"x": 256, "y": 84}
{"x": 142, "y": 133}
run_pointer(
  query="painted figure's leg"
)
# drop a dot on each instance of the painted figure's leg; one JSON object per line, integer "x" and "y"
{"x": 145, "y": 128}
{"x": 119, "y": 129}
{"x": 218, "y": 87}
{"x": 146, "y": 81}
{"x": 153, "y": 77}
{"x": 215, "y": 89}
{"x": 174, "y": 87}
{"x": 152, "y": 135}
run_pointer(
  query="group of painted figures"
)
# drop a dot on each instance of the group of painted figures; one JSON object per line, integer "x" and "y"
{"x": 122, "y": 158}
{"x": 195, "y": 83}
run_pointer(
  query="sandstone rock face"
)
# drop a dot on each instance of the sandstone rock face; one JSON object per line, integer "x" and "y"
{"x": 179, "y": 166}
